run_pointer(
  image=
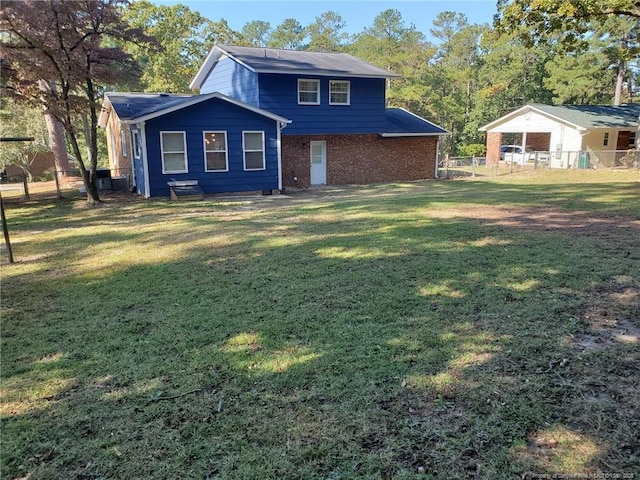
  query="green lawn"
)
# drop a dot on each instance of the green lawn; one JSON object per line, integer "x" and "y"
{"x": 476, "y": 328}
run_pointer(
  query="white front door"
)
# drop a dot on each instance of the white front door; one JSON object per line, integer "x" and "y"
{"x": 318, "y": 163}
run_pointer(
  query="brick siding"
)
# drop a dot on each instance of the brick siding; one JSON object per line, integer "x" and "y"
{"x": 494, "y": 141}
{"x": 539, "y": 141}
{"x": 359, "y": 159}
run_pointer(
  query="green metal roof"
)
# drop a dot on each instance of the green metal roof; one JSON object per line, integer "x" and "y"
{"x": 594, "y": 116}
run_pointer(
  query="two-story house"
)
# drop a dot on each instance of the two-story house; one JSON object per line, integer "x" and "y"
{"x": 266, "y": 119}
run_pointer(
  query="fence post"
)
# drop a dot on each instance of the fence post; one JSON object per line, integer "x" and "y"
{"x": 5, "y": 230}
{"x": 473, "y": 166}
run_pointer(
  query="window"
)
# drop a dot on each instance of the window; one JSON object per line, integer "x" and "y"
{"x": 253, "y": 146}
{"x": 606, "y": 139}
{"x": 632, "y": 139}
{"x": 173, "y": 146}
{"x": 135, "y": 143}
{"x": 215, "y": 152}
{"x": 309, "y": 92}
{"x": 339, "y": 92}
{"x": 123, "y": 142}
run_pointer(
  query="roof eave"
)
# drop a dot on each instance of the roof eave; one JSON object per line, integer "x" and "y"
{"x": 326, "y": 73}
{"x": 201, "y": 98}
{"x": 528, "y": 107}
{"x": 413, "y": 134}
{"x": 105, "y": 111}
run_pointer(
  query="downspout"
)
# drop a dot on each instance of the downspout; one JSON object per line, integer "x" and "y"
{"x": 145, "y": 163}
{"x": 437, "y": 156}
{"x": 281, "y": 126}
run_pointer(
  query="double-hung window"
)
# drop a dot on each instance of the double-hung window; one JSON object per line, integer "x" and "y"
{"x": 135, "y": 143}
{"x": 123, "y": 142}
{"x": 339, "y": 92}
{"x": 308, "y": 92}
{"x": 173, "y": 147}
{"x": 215, "y": 152}
{"x": 253, "y": 147}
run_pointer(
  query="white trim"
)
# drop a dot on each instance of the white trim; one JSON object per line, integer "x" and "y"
{"x": 317, "y": 82}
{"x": 145, "y": 163}
{"x": 524, "y": 109}
{"x": 417, "y": 134}
{"x": 245, "y": 151}
{"x": 226, "y": 150}
{"x": 135, "y": 143}
{"x": 348, "y": 102}
{"x": 214, "y": 55}
{"x": 123, "y": 141}
{"x": 201, "y": 98}
{"x": 162, "y": 152}
{"x": 279, "y": 153}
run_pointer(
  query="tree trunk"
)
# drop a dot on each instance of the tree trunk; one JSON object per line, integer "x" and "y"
{"x": 619, "y": 82}
{"x": 622, "y": 68}
{"x": 55, "y": 129}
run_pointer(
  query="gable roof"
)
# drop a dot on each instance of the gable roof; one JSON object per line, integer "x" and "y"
{"x": 402, "y": 123}
{"x": 299, "y": 62}
{"x": 140, "y": 107}
{"x": 581, "y": 117}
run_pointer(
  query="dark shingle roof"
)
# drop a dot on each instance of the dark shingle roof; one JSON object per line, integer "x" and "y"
{"x": 400, "y": 122}
{"x": 143, "y": 106}
{"x": 134, "y": 105}
{"x": 298, "y": 62}
{"x": 595, "y": 116}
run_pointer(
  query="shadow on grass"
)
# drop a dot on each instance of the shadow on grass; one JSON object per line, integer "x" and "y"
{"x": 330, "y": 344}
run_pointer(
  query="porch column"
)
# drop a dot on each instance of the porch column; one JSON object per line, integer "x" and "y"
{"x": 494, "y": 141}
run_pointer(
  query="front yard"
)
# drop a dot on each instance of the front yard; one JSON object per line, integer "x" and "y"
{"x": 479, "y": 328}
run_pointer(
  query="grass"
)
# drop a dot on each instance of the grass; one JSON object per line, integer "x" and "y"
{"x": 477, "y": 328}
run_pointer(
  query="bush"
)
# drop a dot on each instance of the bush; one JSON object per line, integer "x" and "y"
{"x": 473, "y": 150}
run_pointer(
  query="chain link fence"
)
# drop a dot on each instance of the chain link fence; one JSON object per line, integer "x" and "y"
{"x": 451, "y": 167}
{"x": 62, "y": 184}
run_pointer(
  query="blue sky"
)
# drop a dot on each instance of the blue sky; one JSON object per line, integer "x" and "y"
{"x": 357, "y": 14}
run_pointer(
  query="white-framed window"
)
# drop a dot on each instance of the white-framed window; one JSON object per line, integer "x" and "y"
{"x": 632, "y": 139}
{"x": 605, "y": 141}
{"x": 339, "y": 92}
{"x": 253, "y": 148}
{"x": 308, "y": 92}
{"x": 135, "y": 143}
{"x": 215, "y": 151}
{"x": 124, "y": 143}
{"x": 173, "y": 147}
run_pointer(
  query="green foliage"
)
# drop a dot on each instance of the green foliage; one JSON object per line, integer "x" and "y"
{"x": 326, "y": 33}
{"x": 256, "y": 33}
{"x": 21, "y": 120}
{"x": 289, "y": 34}
{"x": 184, "y": 37}
{"x": 473, "y": 149}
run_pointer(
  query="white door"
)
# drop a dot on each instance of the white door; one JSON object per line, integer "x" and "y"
{"x": 318, "y": 163}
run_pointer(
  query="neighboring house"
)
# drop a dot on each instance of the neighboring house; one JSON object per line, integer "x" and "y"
{"x": 568, "y": 132}
{"x": 338, "y": 129}
{"x": 223, "y": 143}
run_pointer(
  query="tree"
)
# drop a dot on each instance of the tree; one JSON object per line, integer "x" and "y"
{"x": 63, "y": 46}
{"x": 289, "y": 34}
{"x": 394, "y": 46}
{"x": 326, "y": 33}
{"x": 571, "y": 24}
{"x": 256, "y": 33}
{"x": 22, "y": 121}
{"x": 184, "y": 38}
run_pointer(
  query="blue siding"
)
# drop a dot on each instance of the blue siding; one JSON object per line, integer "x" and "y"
{"x": 214, "y": 114}
{"x": 232, "y": 79}
{"x": 365, "y": 114}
